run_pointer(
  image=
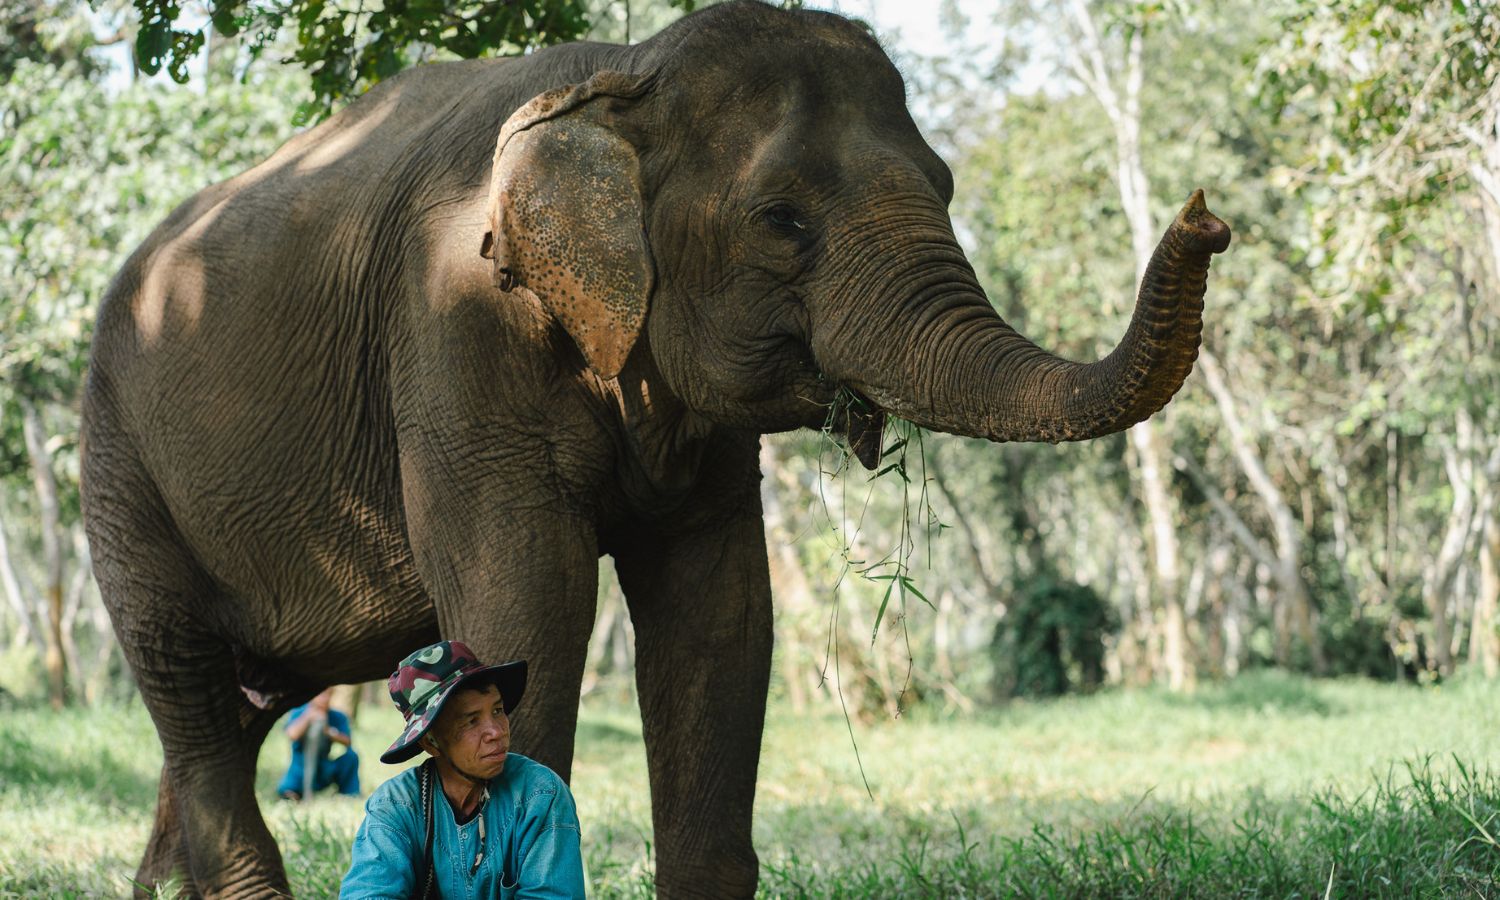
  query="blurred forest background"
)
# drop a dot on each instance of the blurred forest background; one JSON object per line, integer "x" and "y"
{"x": 1323, "y": 496}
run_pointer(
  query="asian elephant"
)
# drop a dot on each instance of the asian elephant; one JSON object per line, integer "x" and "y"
{"x": 414, "y": 374}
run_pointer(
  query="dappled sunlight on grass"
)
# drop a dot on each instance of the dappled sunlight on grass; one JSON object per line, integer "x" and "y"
{"x": 1123, "y": 785}
{"x": 78, "y": 789}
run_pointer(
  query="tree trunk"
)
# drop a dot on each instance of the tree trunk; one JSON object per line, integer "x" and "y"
{"x": 1346, "y": 550}
{"x": 1161, "y": 512}
{"x": 1392, "y": 503}
{"x": 1484, "y": 639}
{"x": 1437, "y": 575}
{"x": 72, "y": 603}
{"x": 1136, "y": 649}
{"x": 790, "y": 585}
{"x": 1220, "y": 660}
{"x": 1484, "y": 632}
{"x": 992, "y": 586}
{"x": 610, "y": 644}
{"x": 1161, "y": 508}
{"x": 1287, "y": 537}
{"x": 345, "y": 699}
{"x": 45, "y": 484}
{"x": 942, "y": 641}
{"x": 99, "y": 680}
{"x": 223, "y": 53}
{"x": 15, "y": 597}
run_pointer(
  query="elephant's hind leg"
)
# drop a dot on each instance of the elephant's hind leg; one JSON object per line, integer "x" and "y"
{"x": 210, "y": 739}
{"x": 166, "y": 858}
{"x": 167, "y": 614}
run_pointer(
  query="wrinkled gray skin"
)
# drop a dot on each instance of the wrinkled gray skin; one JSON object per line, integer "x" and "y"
{"x": 319, "y": 434}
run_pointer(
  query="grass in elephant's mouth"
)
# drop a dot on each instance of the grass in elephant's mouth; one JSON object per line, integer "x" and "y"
{"x": 1267, "y": 787}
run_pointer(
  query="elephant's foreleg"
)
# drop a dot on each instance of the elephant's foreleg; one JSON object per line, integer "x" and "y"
{"x": 701, "y": 606}
{"x": 526, "y": 590}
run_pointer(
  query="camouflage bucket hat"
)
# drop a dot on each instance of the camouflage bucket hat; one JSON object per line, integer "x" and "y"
{"x": 426, "y": 679}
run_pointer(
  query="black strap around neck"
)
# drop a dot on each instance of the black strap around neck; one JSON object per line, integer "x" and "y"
{"x": 426, "y": 888}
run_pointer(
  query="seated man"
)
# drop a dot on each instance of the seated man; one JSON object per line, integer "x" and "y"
{"x": 474, "y": 820}
{"x": 313, "y": 729}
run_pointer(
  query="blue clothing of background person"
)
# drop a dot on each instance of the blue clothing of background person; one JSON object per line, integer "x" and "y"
{"x": 342, "y": 771}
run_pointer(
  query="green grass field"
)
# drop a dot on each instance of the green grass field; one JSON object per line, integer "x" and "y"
{"x": 1269, "y": 786}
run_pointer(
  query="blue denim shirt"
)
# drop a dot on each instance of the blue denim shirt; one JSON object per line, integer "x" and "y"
{"x": 531, "y": 840}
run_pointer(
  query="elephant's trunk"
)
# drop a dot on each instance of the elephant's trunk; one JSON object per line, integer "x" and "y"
{"x": 957, "y": 367}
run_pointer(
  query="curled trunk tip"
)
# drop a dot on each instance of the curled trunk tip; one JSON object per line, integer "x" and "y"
{"x": 1201, "y": 227}
{"x": 996, "y": 384}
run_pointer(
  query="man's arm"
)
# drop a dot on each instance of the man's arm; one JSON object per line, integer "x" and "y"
{"x": 298, "y": 726}
{"x": 338, "y": 728}
{"x": 551, "y": 860}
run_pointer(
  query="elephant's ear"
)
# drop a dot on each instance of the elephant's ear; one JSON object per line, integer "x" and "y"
{"x": 566, "y": 219}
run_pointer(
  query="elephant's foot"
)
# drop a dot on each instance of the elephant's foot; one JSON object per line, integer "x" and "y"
{"x": 252, "y": 873}
{"x": 251, "y": 870}
{"x": 209, "y": 838}
{"x": 164, "y": 868}
{"x": 165, "y": 862}
{"x": 720, "y": 878}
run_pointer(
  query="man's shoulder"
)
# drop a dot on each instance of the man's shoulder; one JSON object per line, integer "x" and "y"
{"x": 525, "y": 778}
{"x": 539, "y": 793}
{"x": 528, "y": 768}
{"x": 527, "y": 773}
{"x": 396, "y": 797}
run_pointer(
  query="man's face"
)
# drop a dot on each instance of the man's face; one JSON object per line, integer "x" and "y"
{"x": 473, "y": 732}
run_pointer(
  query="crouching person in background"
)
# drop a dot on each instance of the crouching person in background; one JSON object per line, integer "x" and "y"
{"x": 473, "y": 820}
{"x": 313, "y": 729}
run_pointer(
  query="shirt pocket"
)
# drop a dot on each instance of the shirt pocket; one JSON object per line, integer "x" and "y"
{"x": 507, "y": 891}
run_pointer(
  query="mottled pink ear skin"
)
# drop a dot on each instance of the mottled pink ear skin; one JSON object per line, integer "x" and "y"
{"x": 566, "y": 219}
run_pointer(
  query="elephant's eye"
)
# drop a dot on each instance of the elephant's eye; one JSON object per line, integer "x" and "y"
{"x": 785, "y": 219}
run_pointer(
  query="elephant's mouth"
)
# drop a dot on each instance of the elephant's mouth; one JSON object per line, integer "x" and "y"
{"x": 843, "y": 410}
{"x": 849, "y": 413}
{"x": 861, "y": 423}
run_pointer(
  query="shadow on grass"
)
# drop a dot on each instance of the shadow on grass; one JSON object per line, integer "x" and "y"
{"x": 1262, "y": 691}
{"x": 81, "y": 879}
{"x": 599, "y": 732}
{"x": 25, "y": 766}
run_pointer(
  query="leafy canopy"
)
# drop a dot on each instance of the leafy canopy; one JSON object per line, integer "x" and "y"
{"x": 348, "y": 45}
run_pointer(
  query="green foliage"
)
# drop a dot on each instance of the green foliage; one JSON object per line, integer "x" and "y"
{"x": 85, "y": 174}
{"x": 1398, "y": 93}
{"x": 19, "y": 684}
{"x": 44, "y": 31}
{"x": 346, "y": 46}
{"x": 1051, "y": 640}
{"x": 1356, "y": 636}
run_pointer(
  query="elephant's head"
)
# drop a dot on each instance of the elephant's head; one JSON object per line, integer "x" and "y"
{"x": 755, "y": 208}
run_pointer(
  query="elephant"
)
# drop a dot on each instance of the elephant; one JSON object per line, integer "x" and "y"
{"x": 417, "y": 372}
